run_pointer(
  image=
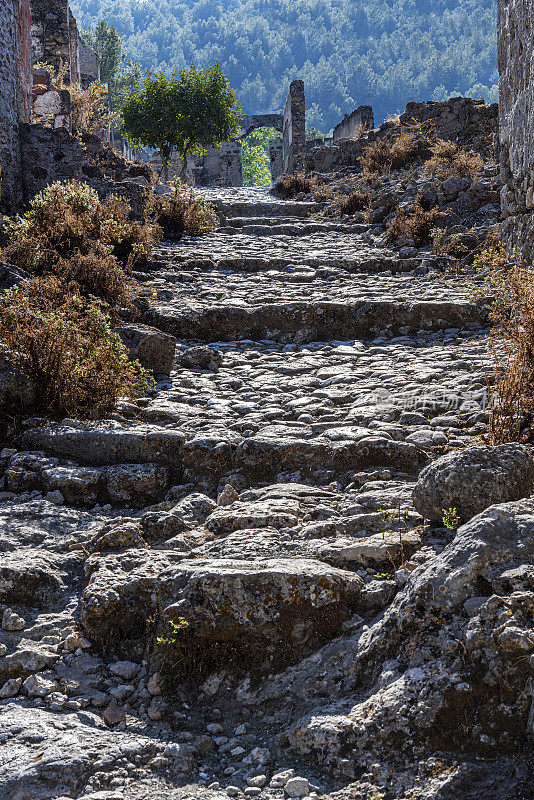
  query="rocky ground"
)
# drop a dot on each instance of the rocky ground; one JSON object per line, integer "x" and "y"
{"x": 252, "y": 583}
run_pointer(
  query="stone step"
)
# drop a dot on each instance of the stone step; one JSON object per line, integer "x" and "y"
{"x": 313, "y": 321}
{"x": 352, "y": 251}
{"x": 269, "y": 207}
{"x": 256, "y": 458}
{"x": 294, "y": 228}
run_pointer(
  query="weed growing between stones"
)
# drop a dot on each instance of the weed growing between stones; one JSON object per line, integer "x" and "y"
{"x": 451, "y": 520}
{"x": 288, "y": 186}
{"x": 183, "y": 212}
{"x": 415, "y": 223}
{"x": 448, "y": 160}
{"x": 64, "y": 344}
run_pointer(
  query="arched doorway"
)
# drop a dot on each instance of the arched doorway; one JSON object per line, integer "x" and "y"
{"x": 257, "y": 156}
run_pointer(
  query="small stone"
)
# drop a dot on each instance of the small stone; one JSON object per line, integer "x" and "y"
{"x": 124, "y": 669}
{"x": 257, "y": 781}
{"x": 241, "y": 729}
{"x": 215, "y": 786}
{"x": 3, "y": 650}
{"x": 10, "y": 688}
{"x": 155, "y": 684}
{"x": 214, "y": 728}
{"x": 232, "y": 791}
{"x": 114, "y": 714}
{"x": 252, "y": 791}
{"x": 37, "y": 686}
{"x": 12, "y": 621}
{"x": 227, "y": 496}
{"x": 55, "y": 497}
{"x": 297, "y": 787}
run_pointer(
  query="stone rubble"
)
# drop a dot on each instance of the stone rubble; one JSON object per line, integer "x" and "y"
{"x": 226, "y": 589}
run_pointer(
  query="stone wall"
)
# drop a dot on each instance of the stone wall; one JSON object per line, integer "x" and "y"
{"x": 51, "y": 33}
{"x": 294, "y": 128}
{"x": 516, "y": 69}
{"x": 15, "y": 94}
{"x": 88, "y": 64}
{"x": 362, "y": 119}
{"x": 472, "y": 123}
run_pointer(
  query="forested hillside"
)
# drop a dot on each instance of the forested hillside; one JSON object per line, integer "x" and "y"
{"x": 382, "y": 52}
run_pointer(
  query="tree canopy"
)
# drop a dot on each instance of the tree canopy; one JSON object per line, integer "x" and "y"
{"x": 348, "y": 52}
{"x": 188, "y": 112}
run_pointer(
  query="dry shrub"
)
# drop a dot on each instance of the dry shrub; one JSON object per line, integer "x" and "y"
{"x": 354, "y": 202}
{"x": 183, "y": 212}
{"x": 64, "y": 343}
{"x": 511, "y": 344}
{"x": 415, "y": 223}
{"x": 401, "y": 147}
{"x": 70, "y": 233}
{"x": 449, "y": 160}
{"x": 288, "y": 186}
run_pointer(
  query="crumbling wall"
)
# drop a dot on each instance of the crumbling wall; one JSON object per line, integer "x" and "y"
{"x": 294, "y": 128}
{"x": 88, "y": 64}
{"x": 362, "y": 119}
{"x": 51, "y": 33}
{"x": 15, "y": 91}
{"x": 516, "y": 95}
{"x": 472, "y": 123}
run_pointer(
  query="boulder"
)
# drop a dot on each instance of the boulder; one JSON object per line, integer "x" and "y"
{"x": 471, "y": 480}
{"x": 152, "y": 348}
{"x": 261, "y": 514}
{"x": 135, "y": 484}
{"x": 264, "y": 612}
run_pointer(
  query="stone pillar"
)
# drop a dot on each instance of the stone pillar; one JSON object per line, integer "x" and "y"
{"x": 516, "y": 112}
{"x": 89, "y": 65}
{"x": 294, "y": 128}
{"x": 51, "y": 33}
{"x": 276, "y": 156}
{"x": 15, "y": 95}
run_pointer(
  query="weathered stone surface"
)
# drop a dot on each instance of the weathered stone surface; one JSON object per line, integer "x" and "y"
{"x": 273, "y": 608}
{"x": 516, "y": 51}
{"x": 136, "y": 484}
{"x": 262, "y": 514}
{"x": 474, "y": 479}
{"x": 201, "y": 357}
{"x": 49, "y": 756}
{"x": 33, "y": 577}
{"x": 152, "y": 348}
{"x": 108, "y": 443}
{"x": 395, "y": 674}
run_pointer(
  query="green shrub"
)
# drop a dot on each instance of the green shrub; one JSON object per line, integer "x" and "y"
{"x": 64, "y": 343}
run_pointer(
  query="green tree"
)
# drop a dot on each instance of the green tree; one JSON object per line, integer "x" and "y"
{"x": 256, "y": 158}
{"x": 187, "y": 112}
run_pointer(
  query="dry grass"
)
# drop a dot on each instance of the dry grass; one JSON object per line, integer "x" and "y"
{"x": 354, "y": 202}
{"x": 64, "y": 343}
{"x": 402, "y": 147}
{"x": 449, "y": 160}
{"x": 183, "y": 212}
{"x": 415, "y": 223}
{"x": 511, "y": 345}
{"x": 70, "y": 233}
{"x": 288, "y": 186}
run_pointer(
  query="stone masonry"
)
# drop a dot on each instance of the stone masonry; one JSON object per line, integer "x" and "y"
{"x": 294, "y": 130}
{"x": 15, "y": 93}
{"x": 516, "y": 65}
{"x": 362, "y": 119}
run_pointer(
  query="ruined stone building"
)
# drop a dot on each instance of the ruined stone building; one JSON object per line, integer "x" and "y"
{"x": 15, "y": 93}
{"x": 34, "y": 32}
{"x": 516, "y": 97}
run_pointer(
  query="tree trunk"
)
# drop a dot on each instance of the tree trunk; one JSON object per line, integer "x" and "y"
{"x": 165, "y": 163}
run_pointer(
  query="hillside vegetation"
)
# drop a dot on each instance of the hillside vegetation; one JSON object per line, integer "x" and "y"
{"x": 382, "y": 52}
